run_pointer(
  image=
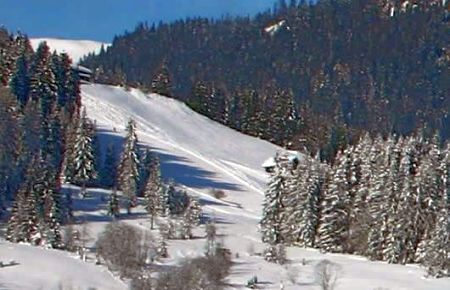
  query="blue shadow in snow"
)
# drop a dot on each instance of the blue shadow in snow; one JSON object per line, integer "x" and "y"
{"x": 180, "y": 169}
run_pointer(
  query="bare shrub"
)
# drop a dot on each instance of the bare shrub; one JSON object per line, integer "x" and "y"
{"x": 124, "y": 248}
{"x": 327, "y": 274}
{"x": 217, "y": 193}
{"x": 141, "y": 281}
{"x": 206, "y": 273}
{"x": 69, "y": 239}
{"x": 275, "y": 254}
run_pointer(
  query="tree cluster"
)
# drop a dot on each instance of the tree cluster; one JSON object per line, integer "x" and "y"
{"x": 40, "y": 102}
{"x": 387, "y": 199}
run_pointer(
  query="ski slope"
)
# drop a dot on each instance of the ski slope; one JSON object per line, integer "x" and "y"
{"x": 200, "y": 154}
{"x": 76, "y": 49}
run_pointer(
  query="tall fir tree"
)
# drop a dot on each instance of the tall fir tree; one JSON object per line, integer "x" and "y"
{"x": 83, "y": 154}
{"x": 191, "y": 218}
{"x": 334, "y": 220}
{"x": 128, "y": 174}
{"x": 20, "y": 81}
{"x": 271, "y": 222}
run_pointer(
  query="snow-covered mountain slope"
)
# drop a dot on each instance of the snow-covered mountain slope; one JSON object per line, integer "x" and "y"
{"x": 76, "y": 49}
{"x": 200, "y": 154}
{"x": 195, "y": 151}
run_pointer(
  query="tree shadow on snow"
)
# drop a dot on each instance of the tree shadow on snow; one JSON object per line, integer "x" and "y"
{"x": 178, "y": 168}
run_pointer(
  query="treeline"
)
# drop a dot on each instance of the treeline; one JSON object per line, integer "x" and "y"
{"x": 40, "y": 104}
{"x": 349, "y": 65}
{"x": 46, "y": 140}
{"x": 387, "y": 199}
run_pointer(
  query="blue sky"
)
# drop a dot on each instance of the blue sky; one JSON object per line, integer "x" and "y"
{"x": 102, "y": 19}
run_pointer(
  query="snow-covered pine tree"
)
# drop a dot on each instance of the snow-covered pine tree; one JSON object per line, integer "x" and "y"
{"x": 191, "y": 217}
{"x": 360, "y": 174}
{"x": 52, "y": 219}
{"x": 310, "y": 213}
{"x": 43, "y": 86}
{"x": 151, "y": 195}
{"x": 302, "y": 204}
{"x": 68, "y": 166}
{"x": 334, "y": 220}
{"x": 128, "y": 168}
{"x": 83, "y": 157}
{"x": 378, "y": 200}
{"x": 437, "y": 253}
{"x": 271, "y": 222}
{"x": 113, "y": 204}
{"x": 296, "y": 192}
{"x": 16, "y": 220}
{"x": 399, "y": 247}
{"x": 429, "y": 182}
{"x": 161, "y": 82}
{"x": 20, "y": 81}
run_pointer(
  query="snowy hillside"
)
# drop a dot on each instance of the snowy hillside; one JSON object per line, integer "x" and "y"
{"x": 76, "y": 49}
{"x": 38, "y": 268}
{"x": 198, "y": 154}
{"x": 201, "y": 154}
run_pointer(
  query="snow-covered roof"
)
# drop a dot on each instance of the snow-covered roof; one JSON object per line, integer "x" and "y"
{"x": 82, "y": 69}
{"x": 272, "y": 29}
{"x": 287, "y": 155}
{"x": 270, "y": 162}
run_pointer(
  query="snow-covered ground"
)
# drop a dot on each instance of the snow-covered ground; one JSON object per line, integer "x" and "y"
{"x": 76, "y": 49}
{"x": 201, "y": 154}
{"x": 198, "y": 154}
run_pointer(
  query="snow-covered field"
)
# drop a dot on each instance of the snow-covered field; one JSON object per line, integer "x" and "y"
{"x": 76, "y": 49}
{"x": 198, "y": 154}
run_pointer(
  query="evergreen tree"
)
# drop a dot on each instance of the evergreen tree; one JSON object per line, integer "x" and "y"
{"x": 378, "y": 200}
{"x": 128, "y": 168}
{"x": 334, "y": 220}
{"x": 437, "y": 253}
{"x": 271, "y": 222}
{"x": 43, "y": 86}
{"x": 399, "y": 247}
{"x": 152, "y": 193}
{"x": 20, "y": 81}
{"x": 83, "y": 158}
{"x": 161, "y": 83}
{"x": 191, "y": 217}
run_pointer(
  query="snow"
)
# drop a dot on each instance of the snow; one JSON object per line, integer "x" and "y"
{"x": 198, "y": 154}
{"x": 76, "y": 49}
{"x": 270, "y": 162}
{"x": 272, "y": 29}
{"x": 39, "y": 268}
{"x": 201, "y": 154}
